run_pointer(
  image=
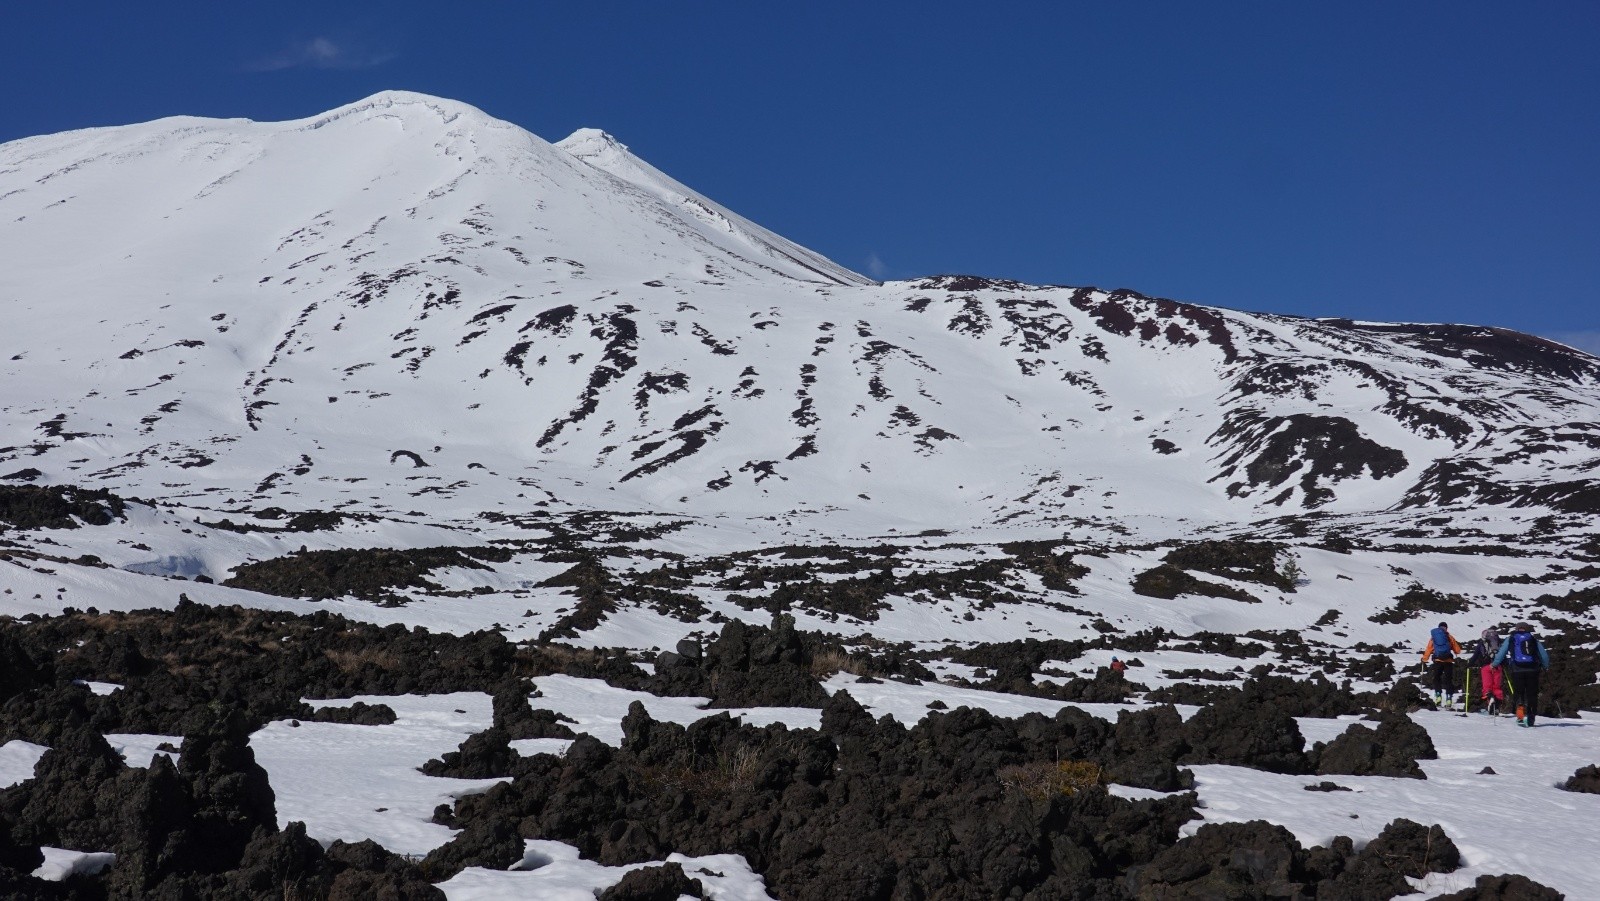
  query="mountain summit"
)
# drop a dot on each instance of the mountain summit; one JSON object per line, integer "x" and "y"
{"x": 407, "y": 306}
{"x": 606, "y": 153}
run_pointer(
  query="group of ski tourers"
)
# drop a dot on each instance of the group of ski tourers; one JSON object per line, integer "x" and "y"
{"x": 1508, "y": 668}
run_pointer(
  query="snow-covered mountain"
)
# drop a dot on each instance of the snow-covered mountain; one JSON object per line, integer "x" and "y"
{"x": 412, "y": 294}
{"x": 411, "y": 365}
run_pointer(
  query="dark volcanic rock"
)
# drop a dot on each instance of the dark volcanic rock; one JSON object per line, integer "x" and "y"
{"x": 1504, "y": 888}
{"x": 964, "y": 804}
{"x": 232, "y": 798}
{"x": 1144, "y": 749}
{"x": 1312, "y": 450}
{"x": 175, "y": 664}
{"x": 1107, "y": 686}
{"x": 14, "y": 855}
{"x": 667, "y": 882}
{"x": 1057, "y": 571}
{"x": 1376, "y": 668}
{"x": 961, "y": 804}
{"x": 493, "y": 844}
{"x": 371, "y": 573}
{"x": 486, "y": 755}
{"x": 1250, "y": 561}
{"x": 205, "y": 828}
{"x": 596, "y": 589}
{"x": 517, "y": 718}
{"x": 57, "y": 506}
{"x": 1393, "y": 749}
{"x": 1188, "y": 693}
{"x": 358, "y": 714}
{"x": 76, "y": 797}
{"x": 1586, "y": 779}
{"x": 1418, "y": 599}
{"x": 1315, "y": 696}
{"x": 612, "y": 666}
{"x": 746, "y": 666}
{"x": 275, "y": 864}
{"x": 1260, "y": 860}
{"x": 1225, "y": 860}
{"x": 1243, "y": 733}
{"x": 512, "y": 712}
{"x": 365, "y": 870}
{"x": 1221, "y": 643}
{"x": 19, "y": 672}
{"x": 1168, "y": 582}
{"x": 1402, "y": 849}
{"x": 1327, "y": 787}
{"x": 1406, "y": 697}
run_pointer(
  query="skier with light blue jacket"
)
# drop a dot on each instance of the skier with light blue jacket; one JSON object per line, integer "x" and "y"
{"x": 1525, "y": 658}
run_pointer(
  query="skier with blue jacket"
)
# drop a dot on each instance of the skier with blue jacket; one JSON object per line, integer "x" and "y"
{"x": 1525, "y": 658}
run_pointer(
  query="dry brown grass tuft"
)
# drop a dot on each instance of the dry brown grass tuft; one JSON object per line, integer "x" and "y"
{"x": 728, "y": 771}
{"x": 1046, "y": 780}
{"x": 831, "y": 660}
{"x": 364, "y": 659}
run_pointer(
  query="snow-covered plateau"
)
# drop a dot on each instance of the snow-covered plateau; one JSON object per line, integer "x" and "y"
{"x": 395, "y": 504}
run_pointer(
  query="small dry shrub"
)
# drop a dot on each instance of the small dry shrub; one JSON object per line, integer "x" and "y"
{"x": 364, "y": 659}
{"x": 726, "y": 772}
{"x": 828, "y": 661}
{"x": 1046, "y": 779}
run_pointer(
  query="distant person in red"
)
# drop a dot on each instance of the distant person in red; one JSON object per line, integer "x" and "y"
{"x": 1442, "y": 649}
{"x": 1494, "y": 689}
{"x": 1117, "y": 666}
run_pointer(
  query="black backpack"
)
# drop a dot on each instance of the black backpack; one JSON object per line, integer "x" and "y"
{"x": 1481, "y": 654}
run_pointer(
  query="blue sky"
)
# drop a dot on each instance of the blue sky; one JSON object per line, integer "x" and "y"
{"x": 1424, "y": 161}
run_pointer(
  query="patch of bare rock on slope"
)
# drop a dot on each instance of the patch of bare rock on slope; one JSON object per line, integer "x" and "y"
{"x": 371, "y": 573}
{"x": 963, "y": 804}
{"x": 57, "y": 506}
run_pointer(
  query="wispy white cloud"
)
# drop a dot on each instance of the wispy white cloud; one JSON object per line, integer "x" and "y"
{"x": 321, "y": 53}
{"x": 1587, "y": 341}
{"x": 876, "y": 267}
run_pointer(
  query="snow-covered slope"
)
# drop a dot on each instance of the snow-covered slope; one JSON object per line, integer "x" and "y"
{"x": 408, "y": 292}
{"x": 604, "y": 152}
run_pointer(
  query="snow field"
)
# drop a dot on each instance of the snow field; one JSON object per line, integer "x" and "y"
{"x": 1515, "y": 821}
{"x": 553, "y": 871}
{"x": 357, "y": 782}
